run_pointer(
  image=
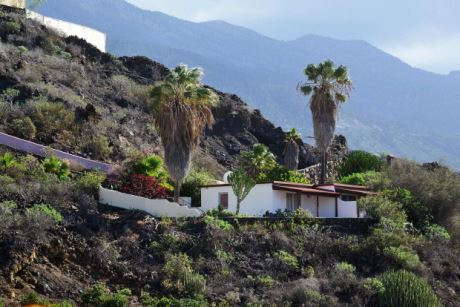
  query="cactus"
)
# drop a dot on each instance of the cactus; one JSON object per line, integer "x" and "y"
{"x": 405, "y": 289}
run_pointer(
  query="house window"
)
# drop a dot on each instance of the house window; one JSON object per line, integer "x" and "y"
{"x": 223, "y": 201}
{"x": 292, "y": 202}
{"x": 348, "y": 198}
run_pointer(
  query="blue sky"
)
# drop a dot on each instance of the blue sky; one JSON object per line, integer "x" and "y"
{"x": 423, "y": 33}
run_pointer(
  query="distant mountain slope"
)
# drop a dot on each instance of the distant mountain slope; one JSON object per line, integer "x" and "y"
{"x": 394, "y": 108}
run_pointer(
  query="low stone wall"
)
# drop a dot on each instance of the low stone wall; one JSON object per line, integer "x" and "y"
{"x": 44, "y": 151}
{"x": 343, "y": 225}
{"x": 18, "y": 4}
{"x": 155, "y": 207}
{"x": 64, "y": 28}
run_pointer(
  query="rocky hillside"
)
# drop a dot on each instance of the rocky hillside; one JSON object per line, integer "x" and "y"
{"x": 394, "y": 108}
{"x": 58, "y": 245}
{"x": 66, "y": 94}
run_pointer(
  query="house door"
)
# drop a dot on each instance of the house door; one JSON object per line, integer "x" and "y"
{"x": 293, "y": 202}
{"x": 223, "y": 201}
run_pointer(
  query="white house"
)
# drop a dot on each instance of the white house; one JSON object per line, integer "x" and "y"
{"x": 324, "y": 201}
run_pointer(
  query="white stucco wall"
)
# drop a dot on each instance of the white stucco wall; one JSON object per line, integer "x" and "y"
{"x": 64, "y": 28}
{"x": 347, "y": 208}
{"x": 309, "y": 203}
{"x": 155, "y": 207}
{"x": 263, "y": 198}
{"x": 259, "y": 200}
{"x": 326, "y": 206}
{"x": 20, "y": 4}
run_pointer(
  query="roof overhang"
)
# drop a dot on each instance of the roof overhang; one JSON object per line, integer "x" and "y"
{"x": 303, "y": 190}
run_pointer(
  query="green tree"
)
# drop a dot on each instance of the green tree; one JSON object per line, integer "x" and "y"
{"x": 258, "y": 162}
{"x": 291, "y": 149}
{"x": 328, "y": 87}
{"x": 360, "y": 161}
{"x": 241, "y": 184}
{"x": 182, "y": 110}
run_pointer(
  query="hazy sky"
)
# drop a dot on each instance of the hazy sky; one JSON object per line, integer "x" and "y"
{"x": 424, "y": 33}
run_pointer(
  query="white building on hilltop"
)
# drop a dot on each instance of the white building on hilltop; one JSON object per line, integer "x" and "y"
{"x": 323, "y": 201}
{"x": 63, "y": 28}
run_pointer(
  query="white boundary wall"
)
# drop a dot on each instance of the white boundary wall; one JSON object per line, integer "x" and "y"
{"x": 64, "y": 28}
{"x": 155, "y": 207}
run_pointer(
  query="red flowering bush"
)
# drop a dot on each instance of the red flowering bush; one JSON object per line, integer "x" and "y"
{"x": 145, "y": 186}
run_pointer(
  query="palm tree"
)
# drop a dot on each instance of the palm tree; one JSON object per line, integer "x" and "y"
{"x": 291, "y": 149}
{"x": 182, "y": 110}
{"x": 328, "y": 87}
{"x": 258, "y": 161}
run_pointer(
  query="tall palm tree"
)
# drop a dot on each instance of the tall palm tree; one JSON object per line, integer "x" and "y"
{"x": 291, "y": 149}
{"x": 181, "y": 106}
{"x": 329, "y": 87}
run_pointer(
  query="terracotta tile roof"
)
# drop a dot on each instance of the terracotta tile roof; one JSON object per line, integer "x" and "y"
{"x": 303, "y": 189}
{"x": 311, "y": 189}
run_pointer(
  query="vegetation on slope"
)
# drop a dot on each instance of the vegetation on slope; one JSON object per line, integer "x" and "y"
{"x": 73, "y": 250}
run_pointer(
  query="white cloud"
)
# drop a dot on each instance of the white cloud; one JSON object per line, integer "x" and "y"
{"x": 440, "y": 55}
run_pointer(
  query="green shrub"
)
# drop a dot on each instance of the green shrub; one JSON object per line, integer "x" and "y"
{"x": 47, "y": 210}
{"x": 380, "y": 207}
{"x": 22, "y": 49}
{"x": 217, "y": 223}
{"x": 33, "y": 298}
{"x": 370, "y": 179}
{"x": 403, "y": 256}
{"x": 9, "y": 95}
{"x": 98, "y": 147}
{"x": 151, "y": 166}
{"x": 148, "y": 301}
{"x": 193, "y": 183}
{"x": 418, "y": 214}
{"x": 169, "y": 242}
{"x": 51, "y": 119}
{"x": 10, "y": 27}
{"x": 360, "y": 162}
{"x": 90, "y": 182}
{"x": 436, "y": 231}
{"x": 406, "y": 289}
{"x": 315, "y": 298}
{"x": 287, "y": 259}
{"x": 345, "y": 267}
{"x": 436, "y": 188}
{"x": 100, "y": 296}
{"x": 374, "y": 285}
{"x": 7, "y": 160}
{"x": 179, "y": 277}
{"x": 65, "y": 55}
{"x": 23, "y": 128}
{"x": 308, "y": 271}
{"x": 56, "y": 166}
{"x": 265, "y": 281}
{"x": 49, "y": 46}
{"x": 7, "y": 206}
{"x": 224, "y": 256}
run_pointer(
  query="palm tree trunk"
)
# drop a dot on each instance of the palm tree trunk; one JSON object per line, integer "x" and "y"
{"x": 322, "y": 179}
{"x": 177, "y": 191}
{"x": 238, "y": 203}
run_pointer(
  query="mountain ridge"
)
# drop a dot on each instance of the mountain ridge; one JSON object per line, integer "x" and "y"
{"x": 395, "y": 108}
